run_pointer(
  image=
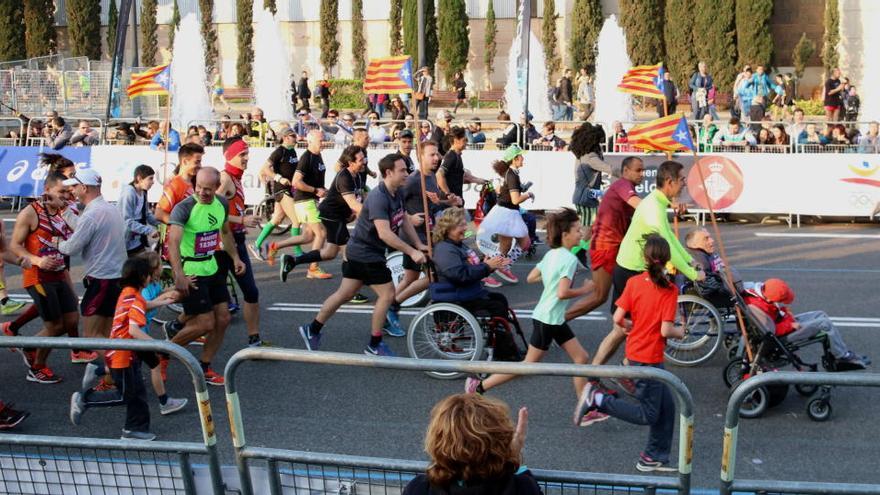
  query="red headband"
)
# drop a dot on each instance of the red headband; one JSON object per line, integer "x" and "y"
{"x": 235, "y": 149}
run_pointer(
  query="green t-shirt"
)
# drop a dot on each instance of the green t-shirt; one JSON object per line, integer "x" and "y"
{"x": 557, "y": 264}
{"x": 201, "y": 233}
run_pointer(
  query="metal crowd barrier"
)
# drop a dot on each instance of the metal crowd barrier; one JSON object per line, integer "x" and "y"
{"x": 53, "y": 463}
{"x": 729, "y": 483}
{"x": 302, "y": 464}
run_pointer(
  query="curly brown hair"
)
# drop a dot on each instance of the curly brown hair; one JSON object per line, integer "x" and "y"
{"x": 469, "y": 438}
{"x": 450, "y": 218}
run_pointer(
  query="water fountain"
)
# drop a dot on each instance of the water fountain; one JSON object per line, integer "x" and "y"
{"x": 190, "y": 101}
{"x": 271, "y": 67}
{"x": 514, "y": 91}
{"x": 612, "y": 62}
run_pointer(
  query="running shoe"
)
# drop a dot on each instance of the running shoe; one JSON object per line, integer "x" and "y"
{"x": 256, "y": 251}
{"x": 11, "y": 307}
{"x": 380, "y": 350}
{"x": 285, "y": 267}
{"x": 593, "y": 416}
{"x": 43, "y": 375}
{"x": 537, "y": 241}
{"x": 471, "y": 384}
{"x": 392, "y": 324}
{"x": 79, "y": 357}
{"x": 491, "y": 282}
{"x": 505, "y": 274}
{"x": 77, "y": 408}
{"x": 214, "y": 378}
{"x": 199, "y": 341}
{"x": 647, "y": 465}
{"x": 272, "y": 253}
{"x": 9, "y": 417}
{"x": 628, "y": 385}
{"x": 233, "y": 307}
{"x": 6, "y": 328}
{"x": 171, "y": 328}
{"x": 586, "y": 402}
{"x": 359, "y": 299}
{"x": 260, "y": 343}
{"x": 172, "y": 405}
{"x": 318, "y": 273}
{"x": 91, "y": 376}
{"x": 138, "y": 435}
{"x": 311, "y": 340}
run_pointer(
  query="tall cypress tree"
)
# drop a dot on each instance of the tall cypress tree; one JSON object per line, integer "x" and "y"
{"x": 715, "y": 40}
{"x": 329, "y": 26}
{"x": 679, "y": 38}
{"x": 410, "y": 30}
{"x": 149, "y": 32}
{"x": 586, "y": 23}
{"x": 642, "y": 21}
{"x": 831, "y": 38}
{"x": 801, "y": 55}
{"x": 754, "y": 41}
{"x": 454, "y": 33}
{"x": 206, "y": 9}
{"x": 548, "y": 39}
{"x": 270, "y": 4}
{"x": 175, "y": 23}
{"x": 396, "y": 21}
{"x": 11, "y": 30}
{"x": 244, "y": 63}
{"x": 491, "y": 48}
{"x": 84, "y": 28}
{"x": 358, "y": 42}
{"x": 39, "y": 26}
{"x": 112, "y": 22}
{"x": 432, "y": 45}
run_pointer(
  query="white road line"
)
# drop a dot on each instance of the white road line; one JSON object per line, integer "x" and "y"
{"x": 348, "y": 309}
{"x": 817, "y": 235}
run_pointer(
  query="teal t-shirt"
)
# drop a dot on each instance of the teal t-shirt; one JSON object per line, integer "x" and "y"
{"x": 557, "y": 264}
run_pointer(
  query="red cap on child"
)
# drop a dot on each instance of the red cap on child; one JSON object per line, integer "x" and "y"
{"x": 776, "y": 290}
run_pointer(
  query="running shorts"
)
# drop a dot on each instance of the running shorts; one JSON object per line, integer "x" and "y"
{"x": 100, "y": 297}
{"x": 543, "y": 335}
{"x": 373, "y": 273}
{"x": 307, "y": 211}
{"x": 53, "y": 299}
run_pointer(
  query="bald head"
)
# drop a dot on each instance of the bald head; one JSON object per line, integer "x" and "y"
{"x": 207, "y": 182}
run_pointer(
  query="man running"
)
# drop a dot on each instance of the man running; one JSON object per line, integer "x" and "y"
{"x": 376, "y": 230}
{"x": 452, "y": 175}
{"x": 278, "y": 173}
{"x": 308, "y": 182}
{"x": 198, "y": 224}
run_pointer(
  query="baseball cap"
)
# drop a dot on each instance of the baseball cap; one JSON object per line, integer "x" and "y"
{"x": 86, "y": 177}
{"x": 776, "y": 290}
{"x": 287, "y": 131}
{"x": 406, "y": 133}
{"x": 512, "y": 152}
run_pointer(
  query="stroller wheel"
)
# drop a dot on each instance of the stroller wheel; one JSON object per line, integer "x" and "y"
{"x": 734, "y": 371}
{"x": 805, "y": 390}
{"x": 755, "y": 404}
{"x": 819, "y": 410}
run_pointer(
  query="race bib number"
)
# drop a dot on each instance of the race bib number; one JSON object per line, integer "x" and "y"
{"x": 206, "y": 243}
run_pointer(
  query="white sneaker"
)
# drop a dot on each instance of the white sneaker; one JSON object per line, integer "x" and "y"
{"x": 172, "y": 405}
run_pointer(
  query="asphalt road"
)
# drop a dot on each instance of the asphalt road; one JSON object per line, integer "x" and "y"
{"x": 384, "y": 413}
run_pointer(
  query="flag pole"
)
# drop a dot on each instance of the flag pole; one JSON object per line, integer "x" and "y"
{"x": 167, "y": 137}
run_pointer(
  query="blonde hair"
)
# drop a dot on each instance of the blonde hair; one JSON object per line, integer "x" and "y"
{"x": 450, "y": 219}
{"x": 469, "y": 438}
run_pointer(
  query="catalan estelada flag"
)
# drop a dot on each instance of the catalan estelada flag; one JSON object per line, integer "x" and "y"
{"x": 155, "y": 81}
{"x": 664, "y": 134}
{"x": 643, "y": 80}
{"x": 391, "y": 75}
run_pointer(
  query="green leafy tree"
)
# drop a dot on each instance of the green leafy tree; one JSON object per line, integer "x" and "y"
{"x": 329, "y": 27}
{"x": 679, "y": 37}
{"x": 452, "y": 24}
{"x": 244, "y": 63}
{"x": 84, "y": 28}
{"x": 803, "y": 52}
{"x": 831, "y": 39}
{"x": 491, "y": 48}
{"x": 206, "y": 9}
{"x": 396, "y": 16}
{"x": 642, "y": 21}
{"x": 548, "y": 39}
{"x": 754, "y": 41}
{"x": 112, "y": 22}
{"x": 270, "y": 4}
{"x": 149, "y": 32}
{"x": 11, "y": 30}
{"x": 411, "y": 34}
{"x": 432, "y": 45}
{"x": 175, "y": 23}
{"x": 358, "y": 42}
{"x": 715, "y": 40}
{"x": 586, "y": 23}
{"x": 39, "y": 27}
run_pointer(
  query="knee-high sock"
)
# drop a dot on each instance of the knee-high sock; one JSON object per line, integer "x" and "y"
{"x": 313, "y": 256}
{"x": 265, "y": 233}
{"x": 297, "y": 251}
{"x": 514, "y": 253}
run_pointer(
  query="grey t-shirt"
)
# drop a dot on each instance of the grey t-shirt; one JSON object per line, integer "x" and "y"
{"x": 412, "y": 199}
{"x": 99, "y": 238}
{"x": 365, "y": 246}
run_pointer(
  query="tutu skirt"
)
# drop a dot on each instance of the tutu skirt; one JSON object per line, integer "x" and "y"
{"x": 504, "y": 221}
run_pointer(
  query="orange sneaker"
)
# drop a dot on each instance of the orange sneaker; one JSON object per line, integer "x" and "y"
{"x": 214, "y": 378}
{"x": 78, "y": 357}
{"x": 318, "y": 273}
{"x": 272, "y": 253}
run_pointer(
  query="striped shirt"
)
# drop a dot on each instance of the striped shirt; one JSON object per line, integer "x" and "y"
{"x": 130, "y": 308}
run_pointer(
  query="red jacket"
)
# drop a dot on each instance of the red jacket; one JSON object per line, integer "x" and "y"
{"x": 780, "y": 315}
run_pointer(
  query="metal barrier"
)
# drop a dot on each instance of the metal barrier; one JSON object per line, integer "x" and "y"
{"x": 730, "y": 485}
{"x": 57, "y": 449}
{"x": 245, "y": 454}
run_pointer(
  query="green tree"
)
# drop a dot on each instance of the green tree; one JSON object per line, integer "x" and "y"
{"x": 831, "y": 38}
{"x": 244, "y": 63}
{"x": 358, "y": 42}
{"x": 642, "y": 21}
{"x": 586, "y": 23}
{"x": 112, "y": 22}
{"x": 149, "y": 32}
{"x": 491, "y": 48}
{"x": 84, "y": 28}
{"x": 411, "y": 35}
{"x": 715, "y": 40}
{"x": 678, "y": 34}
{"x": 329, "y": 27}
{"x": 432, "y": 46}
{"x": 454, "y": 31}
{"x": 754, "y": 41}
{"x": 548, "y": 39}
{"x": 11, "y": 30}
{"x": 209, "y": 36}
{"x": 175, "y": 23}
{"x": 39, "y": 28}
{"x": 803, "y": 52}
{"x": 396, "y": 16}
{"x": 270, "y": 4}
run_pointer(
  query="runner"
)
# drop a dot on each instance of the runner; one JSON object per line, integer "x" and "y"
{"x": 7, "y": 306}
{"x": 378, "y": 228}
{"x": 278, "y": 173}
{"x": 452, "y": 175}
{"x": 341, "y": 205}
{"x": 140, "y": 223}
{"x": 193, "y": 239}
{"x": 38, "y": 229}
{"x": 308, "y": 182}
{"x": 235, "y": 151}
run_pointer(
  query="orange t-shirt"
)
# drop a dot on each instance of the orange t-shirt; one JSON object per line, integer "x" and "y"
{"x": 130, "y": 308}
{"x": 175, "y": 191}
{"x": 648, "y": 306}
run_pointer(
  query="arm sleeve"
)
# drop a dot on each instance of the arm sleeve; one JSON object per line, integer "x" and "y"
{"x": 344, "y": 184}
{"x": 155, "y": 141}
{"x": 597, "y": 163}
{"x": 180, "y": 213}
{"x": 513, "y": 182}
{"x": 458, "y": 271}
{"x": 274, "y": 158}
{"x": 174, "y": 138}
{"x": 77, "y": 242}
{"x": 77, "y": 137}
{"x": 137, "y": 313}
{"x": 624, "y": 302}
{"x": 131, "y": 214}
{"x": 680, "y": 257}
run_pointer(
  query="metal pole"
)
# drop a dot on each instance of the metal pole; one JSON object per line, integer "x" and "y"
{"x": 420, "y": 20}
{"x": 118, "y": 58}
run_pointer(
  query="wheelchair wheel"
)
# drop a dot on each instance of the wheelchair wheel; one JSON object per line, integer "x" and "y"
{"x": 703, "y": 330}
{"x": 755, "y": 404}
{"x": 394, "y": 261}
{"x": 819, "y": 409}
{"x": 445, "y": 331}
{"x": 264, "y": 212}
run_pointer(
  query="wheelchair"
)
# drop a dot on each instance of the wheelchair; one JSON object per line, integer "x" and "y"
{"x": 449, "y": 331}
{"x": 703, "y": 315}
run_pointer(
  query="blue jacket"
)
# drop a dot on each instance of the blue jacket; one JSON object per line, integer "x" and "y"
{"x": 761, "y": 84}
{"x": 457, "y": 279}
{"x": 173, "y": 141}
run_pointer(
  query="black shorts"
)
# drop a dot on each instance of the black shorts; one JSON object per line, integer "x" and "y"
{"x": 151, "y": 359}
{"x": 209, "y": 292}
{"x": 409, "y": 264}
{"x": 337, "y": 232}
{"x": 543, "y": 335}
{"x": 53, "y": 299}
{"x": 619, "y": 278}
{"x": 100, "y": 297}
{"x": 374, "y": 273}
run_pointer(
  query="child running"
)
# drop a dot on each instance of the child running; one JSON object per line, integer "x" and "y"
{"x": 650, "y": 300}
{"x": 556, "y": 270}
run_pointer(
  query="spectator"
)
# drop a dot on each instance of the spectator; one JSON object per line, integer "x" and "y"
{"x": 779, "y": 135}
{"x": 303, "y": 125}
{"x": 833, "y": 96}
{"x": 670, "y": 104}
{"x": 378, "y": 134}
{"x": 259, "y": 130}
{"x": 330, "y": 125}
{"x": 779, "y": 97}
{"x": 474, "y": 448}
{"x": 124, "y": 134}
{"x": 323, "y": 92}
{"x": 152, "y": 128}
{"x": 398, "y": 109}
{"x": 474, "y": 132}
{"x": 441, "y": 127}
{"x": 377, "y": 103}
{"x": 734, "y": 135}
{"x": 409, "y": 121}
{"x": 167, "y": 136}
{"x": 345, "y": 130}
{"x": 713, "y": 109}
{"x": 564, "y": 94}
{"x": 706, "y": 132}
{"x": 811, "y": 136}
{"x": 765, "y": 136}
{"x": 798, "y": 125}
{"x": 838, "y": 135}
{"x": 424, "y": 131}
{"x": 85, "y": 135}
{"x": 59, "y": 133}
{"x": 618, "y": 136}
{"x": 460, "y": 96}
{"x": 762, "y": 84}
{"x": 236, "y": 129}
{"x": 746, "y": 92}
{"x": 549, "y": 139}
{"x": 140, "y": 224}
{"x": 524, "y": 133}
{"x": 700, "y": 84}
{"x": 585, "y": 96}
{"x": 424, "y": 90}
{"x": 204, "y": 135}
{"x": 851, "y": 105}
{"x": 741, "y": 78}
{"x": 868, "y": 142}
{"x": 303, "y": 91}
{"x": 756, "y": 113}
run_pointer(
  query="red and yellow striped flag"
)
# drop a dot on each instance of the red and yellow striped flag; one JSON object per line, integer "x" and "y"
{"x": 391, "y": 75}
{"x": 154, "y": 81}
{"x": 664, "y": 134}
{"x": 643, "y": 80}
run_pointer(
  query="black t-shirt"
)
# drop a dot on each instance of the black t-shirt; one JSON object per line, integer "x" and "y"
{"x": 453, "y": 168}
{"x": 284, "y": 162}
{"x": 410, "y": 166}
{"x": 836, "y": 99}
{"x": 365, "y": 245}
{"x": 363, "y": 173}
{"x": 334, "y": 207}
{"x": 412, "y": 199}
{"x": 511, "y": 183}
{"x": 312, "y": 168}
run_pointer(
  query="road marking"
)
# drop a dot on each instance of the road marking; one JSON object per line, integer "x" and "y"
{"x": 366, "y": 309}
{"x": 817, "y": 235}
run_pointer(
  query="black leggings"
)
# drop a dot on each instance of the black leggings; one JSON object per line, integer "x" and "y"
{"x": 495, "y": 305}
